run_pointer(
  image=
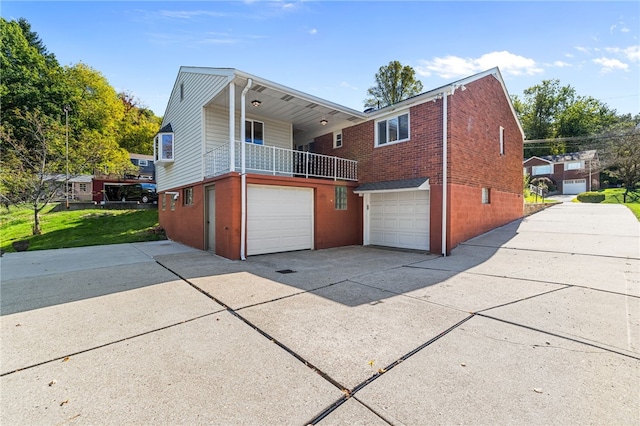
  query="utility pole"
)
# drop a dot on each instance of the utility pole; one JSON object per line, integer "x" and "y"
{"x": 66, "y": 119}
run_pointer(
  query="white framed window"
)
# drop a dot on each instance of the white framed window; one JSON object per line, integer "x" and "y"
{"x": 143, "y": 163}
{"x": 254, "y": 132}
{"x": 541, "y": 170}
{"x": 501, "y": 140}
{"x": 163, "y": 148}
{"x": 392, "y": 130}
{"x": 340, "y": 199}
{"x": 337, "y": 139}
{"x": 573, "y": 165}
{"x": 187, "y": 196}
{"x": 486, "y": 196}
{"x": 83, "y": 187}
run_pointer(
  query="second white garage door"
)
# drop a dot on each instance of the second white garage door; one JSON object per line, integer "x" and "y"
{"x": 399, "y": 219}
{"x": 574, "y": 186}
{"x": 279, "y": 219}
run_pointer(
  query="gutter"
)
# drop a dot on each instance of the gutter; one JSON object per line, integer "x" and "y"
{"x": 243, "y": 172}
{"x": 444, "y": 173}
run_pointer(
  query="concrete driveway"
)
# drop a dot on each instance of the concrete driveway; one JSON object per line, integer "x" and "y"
{"x": 537, "y": 322}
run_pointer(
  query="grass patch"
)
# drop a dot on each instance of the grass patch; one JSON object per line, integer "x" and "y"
{"x": 616, "y": 196}
{"x": 530, "y": 198}
{"x": 77, "y": 228}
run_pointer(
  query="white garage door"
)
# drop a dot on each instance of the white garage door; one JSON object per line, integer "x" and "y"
{"x": 279, "y": 219}
{"x": 399, "y": 219}
{"x": 574, "y": 186}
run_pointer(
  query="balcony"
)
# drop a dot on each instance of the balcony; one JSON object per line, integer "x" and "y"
{"x": 280, "y": 162}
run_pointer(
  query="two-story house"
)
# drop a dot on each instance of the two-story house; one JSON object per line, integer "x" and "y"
{"x": 247, "y": 166}
{"x": 573, "y": 173}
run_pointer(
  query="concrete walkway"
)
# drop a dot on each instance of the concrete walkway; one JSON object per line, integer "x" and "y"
{"x": 537, "y": 322}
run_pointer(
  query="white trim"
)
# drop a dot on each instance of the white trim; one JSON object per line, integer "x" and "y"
{"x": 335, "y": 139}
{"x": 366, "y": 224}
{"x": 538, "y": 158}
{"x": 232, "y": 126}
{"x": 376, "y": 142}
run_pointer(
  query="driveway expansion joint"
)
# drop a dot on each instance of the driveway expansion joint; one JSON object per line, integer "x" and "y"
{"x": 560, "y": 336}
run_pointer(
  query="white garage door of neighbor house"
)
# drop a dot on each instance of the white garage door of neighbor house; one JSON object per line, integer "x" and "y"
{"x": 399, "y": 219}
{"x": 279, "y": 219}
{"x": 574, "y": 186}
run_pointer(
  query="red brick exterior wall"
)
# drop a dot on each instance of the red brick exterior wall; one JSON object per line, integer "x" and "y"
{"x": 332, "y": 228}
{"x": 474, "y": 161}
{"x": 560, "y": 174}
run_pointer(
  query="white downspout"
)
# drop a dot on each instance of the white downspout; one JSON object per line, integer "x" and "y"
{"x": 243, "y": 173}
{"x": 444, "y": 174}
{"x": 232, "y": 126}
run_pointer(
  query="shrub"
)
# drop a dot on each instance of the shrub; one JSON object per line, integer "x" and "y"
{"x": 551, "y": 186}
{"x": 591, "y": 197}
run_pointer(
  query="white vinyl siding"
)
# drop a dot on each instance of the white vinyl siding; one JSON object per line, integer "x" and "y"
{"x": 186, "y": 120}
{"x": 276, "y": 133}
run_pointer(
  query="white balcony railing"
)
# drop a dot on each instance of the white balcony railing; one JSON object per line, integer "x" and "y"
{"x": 280, "y": 161}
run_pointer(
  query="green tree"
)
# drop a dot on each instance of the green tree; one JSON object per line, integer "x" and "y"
{"x": 549, "y": 110}
{"x": 138, "y": 126}
{"x": 31, "y": 77}
{"x": 394, "y": 83}
{"x": 622, "y": 155}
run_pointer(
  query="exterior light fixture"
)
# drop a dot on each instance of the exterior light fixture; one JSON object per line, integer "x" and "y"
{"x": 323, "y": 122}
{"x": 256, "y": 103}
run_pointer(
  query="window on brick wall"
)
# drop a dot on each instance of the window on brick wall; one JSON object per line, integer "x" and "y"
{"x": 187, "y": 196}
{"x": 340, "y": 198}
{"x": 501, "y": 140}
{"x": 486, "y": 199}
{"x": 392, "y": 130}
{"x": 541, "y": 170}
{"x": 337, "y": 139}
{"x": 574, "y": 165}
{"x": 164, "y": 202}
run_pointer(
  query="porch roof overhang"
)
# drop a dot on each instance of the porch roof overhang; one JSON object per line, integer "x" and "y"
{"x": 277, "y": 102}
{"x": 413, "y": 184}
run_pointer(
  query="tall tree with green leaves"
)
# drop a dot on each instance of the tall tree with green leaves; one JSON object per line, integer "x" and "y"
{"x": 622, "y": 155}
{"x": 394, "y": 83}
{"x": 138, "y": 126}
{"x": 549, "y": 110}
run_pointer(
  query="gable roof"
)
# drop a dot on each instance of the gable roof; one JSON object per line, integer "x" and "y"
{"x": 570, "y": 156}
{"x": 306, "y": 111}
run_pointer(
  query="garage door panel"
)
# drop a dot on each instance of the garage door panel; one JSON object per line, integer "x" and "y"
{"x": 279, "y": 219}
{"x": 399, "y": 219}
{"x": 574, "y": 186}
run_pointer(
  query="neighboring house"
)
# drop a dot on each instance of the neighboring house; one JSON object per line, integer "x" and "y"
{"x": 80, "y": 187}
{"x": 147, "y": 169}
{"x": 573, "y": 173}
{"x": 305, "y": 173}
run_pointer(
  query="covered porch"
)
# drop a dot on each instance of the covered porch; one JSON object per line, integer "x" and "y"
{"x": 253, "y": 125}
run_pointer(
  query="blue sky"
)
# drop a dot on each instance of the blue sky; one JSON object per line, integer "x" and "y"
{"x": 333, "y": 49}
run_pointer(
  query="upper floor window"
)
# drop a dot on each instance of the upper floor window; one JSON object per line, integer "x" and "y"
{"x": 574, "y": 165}
{"x": 337, "y": 139}
{"x": 163, "y": 147}
{"x": 143, "y": 163}
{"x": 254, "y": 132}
{"x": 392, "y": 130}
{"x": 501, "y": 140}
{"x": 541, "y": 170}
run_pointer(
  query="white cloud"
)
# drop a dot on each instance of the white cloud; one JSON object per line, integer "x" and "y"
{"x": 313, "y": 31}
{"x": 582, "y": 49}
{"x": 455, "y": 66}
{"x": 625, "y": 30}
{"x": 633, "y": 53}
{"x": 569, "y": 55}
{"x": 348, "y": 86}
{"x": 612, "y": 28}
{"x": 560, "y": 64}
{"x": 609, "y": 64}
{"x": 188, "y": 14}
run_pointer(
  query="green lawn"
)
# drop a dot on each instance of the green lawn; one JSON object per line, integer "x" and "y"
{"x": 530, "y": 198}
{"x": 615, "y": 196}
{"x": 77, "y": 228}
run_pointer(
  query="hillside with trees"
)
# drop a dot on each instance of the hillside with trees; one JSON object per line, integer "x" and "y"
{"x": 60, "y": 120}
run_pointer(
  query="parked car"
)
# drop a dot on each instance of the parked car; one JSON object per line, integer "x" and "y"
{"x": 143, "y": 192}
